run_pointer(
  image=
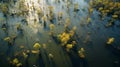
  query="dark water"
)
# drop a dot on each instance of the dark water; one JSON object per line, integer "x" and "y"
{"x": 97, "y": 53}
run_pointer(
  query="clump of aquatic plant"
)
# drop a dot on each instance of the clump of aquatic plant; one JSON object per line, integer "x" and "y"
{"x": 16, "y": 62}
{"x": 110, "y": 40}
{"x": 36, "y": 46}
{"x": 81, "y": 53}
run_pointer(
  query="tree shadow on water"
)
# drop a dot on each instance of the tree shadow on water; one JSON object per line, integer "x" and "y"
{"x": 77, "y": 61}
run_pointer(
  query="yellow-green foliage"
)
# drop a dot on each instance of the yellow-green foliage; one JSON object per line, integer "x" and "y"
{"x": 7, "y": 39}
{"x": 36, "y": 46}
{"x": 4, "y": 8}
{"x": 25, "y": 55}
{"x": 110, "y": 8}
{"x": 76, "y": 6}
{"x": 81, "y": 52}
{"x": 52, "y": 26}
{"x": 64, "y": 37}
{"x": 15, "y": 61}
{"x": 69, "y": 46}
{"x": 110, "y": 40}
